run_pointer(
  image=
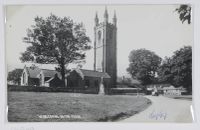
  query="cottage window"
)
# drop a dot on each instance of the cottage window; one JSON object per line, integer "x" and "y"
{"x": 87, "y": 83}
{"x": 96, "y": 83}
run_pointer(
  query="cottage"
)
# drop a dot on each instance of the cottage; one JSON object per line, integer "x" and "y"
{"x": 34, "y": 76}
{"x": 88, "y": 80}
{"x": 174, "y": 91}
{"x": 29, "y": 76}
{"x": 49, "y": 78}
{"x": 166, "y": 89}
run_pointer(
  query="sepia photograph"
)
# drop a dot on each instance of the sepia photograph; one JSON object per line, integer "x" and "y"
{"x": 99, "y": 63}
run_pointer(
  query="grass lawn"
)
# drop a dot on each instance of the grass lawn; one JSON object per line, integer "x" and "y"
{"x": 43, "y": 106}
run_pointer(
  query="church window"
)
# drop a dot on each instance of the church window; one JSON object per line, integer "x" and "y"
{"x": 40, "y": 79}
{"x": 23, "y": 79}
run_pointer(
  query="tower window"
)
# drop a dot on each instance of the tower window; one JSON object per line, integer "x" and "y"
{"x": 99, "y": 35}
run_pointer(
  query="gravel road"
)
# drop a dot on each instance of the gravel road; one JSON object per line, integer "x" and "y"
{"x": 164, "y": 109}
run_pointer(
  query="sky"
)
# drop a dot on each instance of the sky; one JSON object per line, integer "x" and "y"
{"x": 153, "y": 27}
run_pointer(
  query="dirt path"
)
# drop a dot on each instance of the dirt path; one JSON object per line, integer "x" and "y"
{"x": 164, "y": 109}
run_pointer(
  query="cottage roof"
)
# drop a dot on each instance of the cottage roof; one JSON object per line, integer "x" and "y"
{"x": 170, "y": 87}
{"x": 173, "y": 88}
{"x": 50, "y": 73}
{"x": 91, "y": 73}
{"x": 33, "y": 71}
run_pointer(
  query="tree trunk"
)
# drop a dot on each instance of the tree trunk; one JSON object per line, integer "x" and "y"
{"x": 18, "y": 82}
{"x": 62, "y": 65}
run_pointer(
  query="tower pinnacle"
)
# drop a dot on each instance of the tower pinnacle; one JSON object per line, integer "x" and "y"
{"x": 96, "y": 19}
{"x": 115, "y": 19}
{"x": 106, "y": 15}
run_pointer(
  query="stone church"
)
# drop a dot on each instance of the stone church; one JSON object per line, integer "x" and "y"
{"x": 105, "y": 58}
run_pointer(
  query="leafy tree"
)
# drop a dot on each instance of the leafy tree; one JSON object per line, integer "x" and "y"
{"x": 177, "y": 70}
{"x": 184, "y": 13}
{"x": 56, "y": 40}
{"x": 143, "y": 65}
{"x": 164, "y": 71}
{"x": 14, "y": 76}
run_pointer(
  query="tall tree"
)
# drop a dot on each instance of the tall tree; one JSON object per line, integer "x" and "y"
{"x": 164, "y": 71}
{"x": 143, "y": 65}
{"x": 177, "y": 70}
{"x": 14, "y": 76}
{"x": 56, "y": 40}
{"x": 184, "y": 13}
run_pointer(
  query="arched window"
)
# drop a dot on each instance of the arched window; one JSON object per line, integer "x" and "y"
{"x": 40, "y": 79}
{"x": 23, "y": 78}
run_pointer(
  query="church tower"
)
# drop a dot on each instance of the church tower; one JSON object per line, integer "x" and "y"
{"x": 105, "y": 46}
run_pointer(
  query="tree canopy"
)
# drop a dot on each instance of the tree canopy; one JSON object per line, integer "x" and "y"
{"x": 177, "y": 69}
{"x": 56, "y": 40}
{"x": 143, "y": 65}
{"x": 184, "y": 12}
{"x": 14, "y": 76}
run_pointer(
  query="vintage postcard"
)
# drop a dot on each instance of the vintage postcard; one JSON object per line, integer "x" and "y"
{"x": 99, "y": 63}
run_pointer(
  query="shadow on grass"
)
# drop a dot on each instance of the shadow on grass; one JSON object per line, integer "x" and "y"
{"x": 124, "y": 115}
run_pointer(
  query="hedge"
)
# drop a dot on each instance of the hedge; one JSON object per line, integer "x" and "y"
{"x": 47, "y": 89}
